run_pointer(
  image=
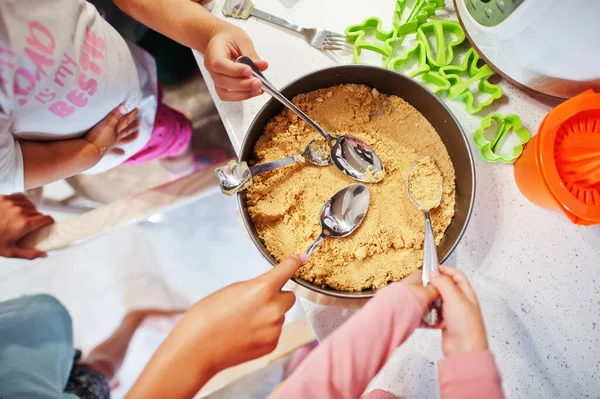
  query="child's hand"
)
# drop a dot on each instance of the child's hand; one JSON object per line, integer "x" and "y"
{"x": 18, "y": 217}
{"x": 462, "y": 326}
{"x": 117, "y": 128}
{"x": 425, "y": 295}
{"x": 240, "y": 322}
{"x": 233, "y": 81}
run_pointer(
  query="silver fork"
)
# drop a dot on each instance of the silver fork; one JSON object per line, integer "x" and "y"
{"x": 318, "y": 38}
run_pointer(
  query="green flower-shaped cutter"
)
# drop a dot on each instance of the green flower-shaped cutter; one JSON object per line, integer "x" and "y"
{"x": 445, "y": 51}
{"x": 420, "y": 13}
{"x": 460, "y": 89}
{"x": 435, "y": 82}
{"x": 506, "y": 123}
{"x": 356, "y": 33}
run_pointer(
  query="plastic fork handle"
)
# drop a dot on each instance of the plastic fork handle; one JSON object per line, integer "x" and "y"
{"x": 269, "y": 88}
{"x": 275, "y": 20}
{"x": 267, "y": 166}
{"x": 315, "y": 245}
{"x": 430, "y": 264}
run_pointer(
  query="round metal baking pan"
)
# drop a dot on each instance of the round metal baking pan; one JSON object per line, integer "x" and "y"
{"x": 392, "y": 83}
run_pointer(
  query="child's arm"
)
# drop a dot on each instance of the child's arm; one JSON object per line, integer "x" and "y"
{"x": 184, "y": 21}
{"x": 190, "y": 24}
{"x": 470, "y": 375}
{"x": 469, "y": 370}
{"x": 47, "y": 162}
{"x": 236, "y": 324}
{"x": 344, "y": 364}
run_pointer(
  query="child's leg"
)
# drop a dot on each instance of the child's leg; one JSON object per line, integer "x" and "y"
{"x": 107, "y": 358}
{"x": 36, "y": 347}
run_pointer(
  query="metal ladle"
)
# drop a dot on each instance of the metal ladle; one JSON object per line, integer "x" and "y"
{"x": 350, "y": 154}
{"x": 343, "y": 213}
{"x": 430, "y": 258}
{"x": 237, "y": 176}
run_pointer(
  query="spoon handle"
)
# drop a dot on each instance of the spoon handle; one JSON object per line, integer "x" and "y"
{"x": 315, "y": 245}
{"x": 430, "y": 265}
{"x": 269, "y": 88}
{"x": 430, "y": 259}
{"x": 267, "y": 166}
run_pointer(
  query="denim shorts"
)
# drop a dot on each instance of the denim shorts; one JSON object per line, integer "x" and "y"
{"x": 37, "y": 358}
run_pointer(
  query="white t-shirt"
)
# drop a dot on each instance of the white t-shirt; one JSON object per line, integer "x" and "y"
{"x": 63, "y": 69}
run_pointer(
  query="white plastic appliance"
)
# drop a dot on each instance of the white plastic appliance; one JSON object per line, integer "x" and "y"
{"x": 547, "y": 46}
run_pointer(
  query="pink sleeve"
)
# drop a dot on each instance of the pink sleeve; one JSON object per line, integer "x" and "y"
{"x": 344, "y": 364}
{"x": 469, "y": 375}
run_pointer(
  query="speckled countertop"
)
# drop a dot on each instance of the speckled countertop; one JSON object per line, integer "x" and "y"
{"x": 536, "y": 274}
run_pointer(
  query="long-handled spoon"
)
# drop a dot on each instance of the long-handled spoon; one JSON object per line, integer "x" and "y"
{"x": 350, "y": 154}
{"x": 237, "y": 176}
{"x": 425, "y": 203}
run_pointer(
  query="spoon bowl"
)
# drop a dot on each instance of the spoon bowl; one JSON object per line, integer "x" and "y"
{"x": 316, "y": 153}
{"x": 350, "y": 154}
{"x": 343, "y": 213}
{"x": 431, "y": 203}
{"x": 357, "y": 160}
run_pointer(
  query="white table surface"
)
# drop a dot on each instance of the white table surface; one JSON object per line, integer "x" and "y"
{"x": 536, "y": 274}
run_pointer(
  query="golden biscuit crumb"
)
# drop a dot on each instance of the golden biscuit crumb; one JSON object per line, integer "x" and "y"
{"x": 284, "y": 204}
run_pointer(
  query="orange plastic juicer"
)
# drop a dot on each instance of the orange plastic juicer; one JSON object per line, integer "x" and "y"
{"x": 560, "y": 167}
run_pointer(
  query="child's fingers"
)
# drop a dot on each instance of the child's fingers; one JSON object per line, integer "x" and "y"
{"x": 261, "y": 64}
{"x": 448, "y": 290}
{"x": 16, "y": 197}
{"x": 29, "y": 212}
{"x": 36, "y": 222}
{"x": 129, "y": 138}
{"x": 461, "y": 281}
{"x": 415, "y": 277}
{"x": 281, "y": 273}
{"x": 222, "y": 64}
{"x": 286, "y": 300}
{"x": 237, "y": 84}
{"x": 117, "y": 151}
{"x": 247, "y": 48}
{"x": 228, "y": 95}
{"x": 126, "y": 120}
{"x": 21, "y": 201}
{"x": 113, "y": 117}
{"x": 26, "y": 253}
{"x": 133, "y": 127}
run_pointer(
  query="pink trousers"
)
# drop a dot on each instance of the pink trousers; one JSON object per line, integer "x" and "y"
{"x": 170, "y": 136}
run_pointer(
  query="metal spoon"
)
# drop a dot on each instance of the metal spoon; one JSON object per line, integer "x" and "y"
{"x": 343, "y": 213}
{"x": 350, "y": 154}
{"x": 430, "y": 258}
{"x": 237, "y": 176}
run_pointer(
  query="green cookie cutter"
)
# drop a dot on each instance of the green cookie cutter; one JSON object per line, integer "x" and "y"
{"x": 434, "y": 81}
{"x": 420, "y": 12}
{"x": 356, "y": 33}
{"x": 418, "y": 51}
{"x": 460, "y": 89}
{"x": 506, "y": 123}
{"x": 444, "y": 52}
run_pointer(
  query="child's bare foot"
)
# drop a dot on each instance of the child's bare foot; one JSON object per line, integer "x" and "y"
{"x": 108, "y": 357}
{"x": 190, "y": 162}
